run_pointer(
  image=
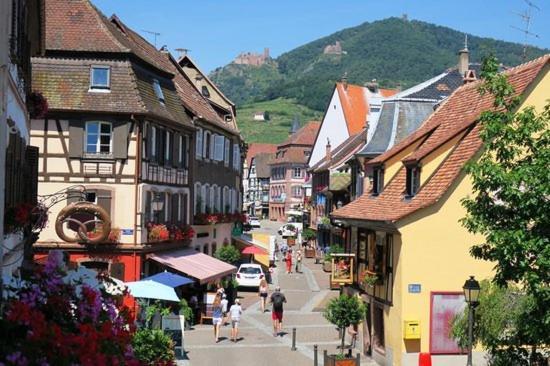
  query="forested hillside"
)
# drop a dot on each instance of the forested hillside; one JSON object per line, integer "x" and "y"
{"x": 393, "y": 51}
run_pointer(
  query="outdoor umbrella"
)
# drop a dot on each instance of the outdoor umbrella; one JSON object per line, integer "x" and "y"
{"x": 152, "y": 290}
{"x": 169, "y": 279}
{"x": 253, "y": 250}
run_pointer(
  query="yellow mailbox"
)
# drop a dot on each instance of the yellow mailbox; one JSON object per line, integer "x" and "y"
{"x": 412, "y": 329}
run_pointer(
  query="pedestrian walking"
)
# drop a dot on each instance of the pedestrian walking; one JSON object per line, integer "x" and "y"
{"x": 284, "y": 250}
{"x": 289, "y": 261}
{"x": 263, "y": 292}
{"x": 217, "y": 315}
{"x": 277, "y": 299}
{"x": 235, "y": 312}
{"x": 298, "y": 261}
{"x": 224, "y": 303}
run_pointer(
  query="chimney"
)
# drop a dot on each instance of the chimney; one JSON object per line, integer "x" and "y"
{"x": 329, "y": 152}
{"x": 164, "y": 49}
{"x": 464, "y": 58}
{"x": 344, "y": 80}
{"x": 372, "y": 86}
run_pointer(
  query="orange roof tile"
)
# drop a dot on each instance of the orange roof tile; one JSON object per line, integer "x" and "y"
{"x": 459, "y": 113}
{"x": 257, "y": 148}
{"x": 388, "y": 92}
{"x": 305, "y": 135}
{"x": 355, "y": 106}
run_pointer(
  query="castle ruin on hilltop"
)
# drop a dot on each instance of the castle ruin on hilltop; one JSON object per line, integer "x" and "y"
{"x": 251, "y": 58}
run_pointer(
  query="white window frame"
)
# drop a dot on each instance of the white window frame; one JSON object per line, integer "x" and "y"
{"x": 297, "y": 176}
{"x": 98, "y": 141}
{"x": 219, "y": 141}
{"x": 199, "y": 141}
{"x": 100, "y": 87}
{"x": 158, "y": 91}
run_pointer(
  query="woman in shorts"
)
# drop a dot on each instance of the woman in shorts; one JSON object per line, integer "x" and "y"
{"x": 217, "y": 315}
{"x": 262, "y": 292}
{"x": 235, "y": 312}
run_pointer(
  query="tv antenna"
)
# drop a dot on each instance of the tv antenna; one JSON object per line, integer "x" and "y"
{"x": 182, "y": 51}
{"x": 155, "y": 34}
{"x": 527, "y": 17}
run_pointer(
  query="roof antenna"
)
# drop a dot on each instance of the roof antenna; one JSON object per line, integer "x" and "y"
{"x": 182, "y": 52}
{"x": 154, "y": 34}
{"x": 526, "y": 17}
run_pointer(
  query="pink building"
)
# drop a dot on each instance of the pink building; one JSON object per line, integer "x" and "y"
{"x": 289, "y": 171}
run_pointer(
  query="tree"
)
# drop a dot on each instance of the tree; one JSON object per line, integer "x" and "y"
{"x": 511, "y": 205}
{"x": 344, "y": 311}
{"x": 228, "y": 254}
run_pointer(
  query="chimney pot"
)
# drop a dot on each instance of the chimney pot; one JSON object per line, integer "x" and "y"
{"x": 464, "y": 58}
{"x": 328, "y": 151}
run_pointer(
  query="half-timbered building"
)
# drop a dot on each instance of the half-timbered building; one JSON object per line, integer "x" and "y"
{"x": 117, "y": 133}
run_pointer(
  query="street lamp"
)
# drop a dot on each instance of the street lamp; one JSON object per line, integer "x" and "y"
{"x": 471, "y": 296}
{"x": 157, "y": 204}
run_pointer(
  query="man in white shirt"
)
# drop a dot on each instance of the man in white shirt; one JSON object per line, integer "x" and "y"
{"x": 235, "y": 312}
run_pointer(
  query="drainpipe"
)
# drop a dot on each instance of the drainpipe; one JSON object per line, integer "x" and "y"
{"x": 137, "y": 175}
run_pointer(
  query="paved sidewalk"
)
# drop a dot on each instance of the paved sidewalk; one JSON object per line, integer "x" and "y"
{"x": 307, "y": 293}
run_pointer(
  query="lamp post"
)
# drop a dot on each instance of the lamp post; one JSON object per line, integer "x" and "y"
{"x": 471, "y": 296}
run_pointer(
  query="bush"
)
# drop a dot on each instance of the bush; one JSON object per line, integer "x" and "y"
{"x": 153, "y": 347}
{"x": 228, "y": 254}
{"x": 333, "y": 249}
{"x": 186, "y": 311}
{"x": 308, "y": 234}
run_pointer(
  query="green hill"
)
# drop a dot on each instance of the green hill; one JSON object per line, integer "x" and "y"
{"x": 281, "y": 115}
{"x": 393, "y": 51}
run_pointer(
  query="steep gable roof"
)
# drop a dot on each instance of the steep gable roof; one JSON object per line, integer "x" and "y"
{"x": 342, "y": 153}
{"x": 305, "y": 135}
{"x": 257, "y": 148}
{"x": 458, "y": 114}
{"x": 261, "y": 161}
{"x": 355, "y": 104}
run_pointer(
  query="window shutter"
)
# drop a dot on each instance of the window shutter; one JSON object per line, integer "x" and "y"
{"x": 175, "y": 150}
{"x": 184, "y": 207}
{"x": 104, "y": 200}
{"x": 120, "y": 140}
{"x": 175, "y": 208}
{"x": 184, "y": 142}
{"x": 161, "y": 138}
{"x": 212, "y": 146}
{"x": 226, "y": 152}
{"x": 76, "y": 138}
{"x": 117, "y": 271}
{"x": 198, "y": 144}
{"x": 31, "y": 162}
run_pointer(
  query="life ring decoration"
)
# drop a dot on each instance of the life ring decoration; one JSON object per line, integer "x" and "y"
{"x": 98, "y": 217}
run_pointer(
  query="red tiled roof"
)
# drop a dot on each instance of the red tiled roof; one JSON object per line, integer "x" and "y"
{"x": 292, "y": 154}
{"x": 305, "y": 135}
{"x": 257, "y": 148}
{"x": 342, "y": 152}
{"x": 459, "y": 113}
{"x": 355, "y": 104}
{"x": 76, "y": 25}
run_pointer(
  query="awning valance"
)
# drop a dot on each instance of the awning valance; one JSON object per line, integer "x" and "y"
{"x": 195, "y": 264}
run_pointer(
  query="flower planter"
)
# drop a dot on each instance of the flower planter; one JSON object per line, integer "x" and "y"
{"x": 309, "y": 252}
{"x": 327, "y": 266}
{"x": 334, "y": 360}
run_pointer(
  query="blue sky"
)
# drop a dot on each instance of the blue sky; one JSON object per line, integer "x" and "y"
{"x": 217, "y": 30}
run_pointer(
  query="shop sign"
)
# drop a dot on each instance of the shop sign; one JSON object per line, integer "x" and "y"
{"x": 415, "y": 288}
{"x": 127, "y": 231}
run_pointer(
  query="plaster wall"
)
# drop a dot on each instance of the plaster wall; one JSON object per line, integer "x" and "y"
{"x": 222, "y": 236}
{"x": 434, "y": 160}
{"x": 333, "y": 127}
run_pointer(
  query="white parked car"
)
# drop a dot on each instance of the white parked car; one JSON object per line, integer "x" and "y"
{"x": 254, "y": 221}
{"x": 250, "y": 275}
{"x": 288, "y": 230}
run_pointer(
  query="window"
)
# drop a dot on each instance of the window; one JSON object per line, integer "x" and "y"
{"x": 203, "y": 198}
{"x": 158, "y": 90}
{"x": 236, "y": 157}
{"x": 99, "y": 138}
{"x": 198, "y": 200}
{"x": 219, "y": 141}
{"x": 226, "y": 152}
{"x": 153, "y": 143}
{"x": 205, "y": 91}
{"x": 377, "y": 181}
{"x": 167, "y": 147}
{"x": 100, "y": 77}
{"x": 413, "y": 180}
{"x": 206, "y": 145}
{"x": 296, "y": 191}
{"x": 181, "y": 148}
{"x": 297, "y": 173}
{"x": 199, "y": 144}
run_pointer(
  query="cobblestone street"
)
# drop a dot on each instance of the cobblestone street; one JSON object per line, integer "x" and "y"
{"x": 306, "y": 293}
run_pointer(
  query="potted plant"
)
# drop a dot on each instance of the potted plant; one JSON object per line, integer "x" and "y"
{"x": 327, "y": 263}
{"x": 370, "y": 279}
{"x": 344, "y": 311}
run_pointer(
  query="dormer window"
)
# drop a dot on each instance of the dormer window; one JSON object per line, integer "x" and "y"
{"x": 100, "y": 78}
{"x": 413, "y": 180}
{"x": 377, "y": 181}
{"x": 205, "y": 91}
{"x": 158, "y": 90}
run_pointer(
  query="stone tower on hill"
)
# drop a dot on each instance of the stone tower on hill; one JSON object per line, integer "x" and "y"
{"x": 254, "y": 59}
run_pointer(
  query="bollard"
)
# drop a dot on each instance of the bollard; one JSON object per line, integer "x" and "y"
{"x": 293, "y": 339}
{"x": 358, "y": 358}
{"x": 315, "y": 360}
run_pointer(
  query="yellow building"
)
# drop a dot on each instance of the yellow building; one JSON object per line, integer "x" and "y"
{"x": 407, "y": 233}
